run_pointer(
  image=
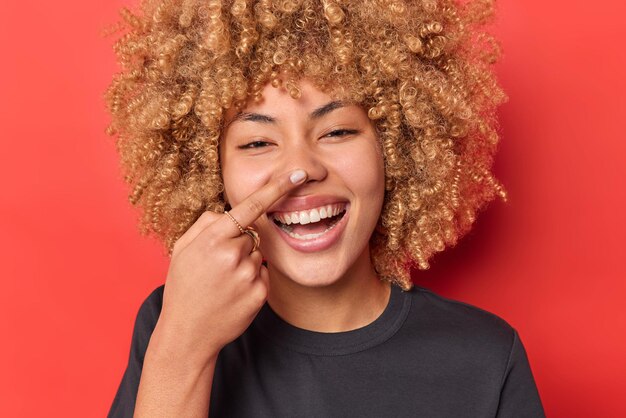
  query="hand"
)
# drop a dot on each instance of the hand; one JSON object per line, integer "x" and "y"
{"x": 215, "y": 286}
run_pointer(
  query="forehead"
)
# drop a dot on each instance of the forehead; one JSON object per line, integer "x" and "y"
{"x": 277, "y": 100}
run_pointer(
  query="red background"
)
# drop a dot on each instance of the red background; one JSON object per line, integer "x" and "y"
{"x": 75, "y": 269}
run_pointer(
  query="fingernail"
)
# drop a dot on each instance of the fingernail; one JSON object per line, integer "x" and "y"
{"x": 297, "y": 176}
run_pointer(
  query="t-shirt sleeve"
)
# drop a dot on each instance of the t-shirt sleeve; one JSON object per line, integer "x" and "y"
{"x": 519, "y": 396}
{"x": 124, "y": 401}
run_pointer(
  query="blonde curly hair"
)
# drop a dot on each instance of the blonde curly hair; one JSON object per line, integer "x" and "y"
{"x": 421, "y": 69}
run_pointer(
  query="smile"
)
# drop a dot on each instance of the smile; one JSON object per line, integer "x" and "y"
{"x": 314, "y": 215}
{"x": 312, "y": 229}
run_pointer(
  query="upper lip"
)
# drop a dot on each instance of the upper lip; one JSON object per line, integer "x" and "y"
{"x": 297, "y": 203}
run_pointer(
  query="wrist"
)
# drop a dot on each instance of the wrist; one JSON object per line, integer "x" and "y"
{"x": 168, "y": 345}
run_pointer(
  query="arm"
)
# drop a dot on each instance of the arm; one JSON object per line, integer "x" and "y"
{"x": 162, "y": 378}
{"x": 215, "y": 286}
{"x": 176, "y": 381}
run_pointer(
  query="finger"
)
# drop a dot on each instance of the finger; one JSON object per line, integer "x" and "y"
{"x": 198, "y": 226}
{"x": 249, "y": 267}
{"x": 248, "y": 210}
{"x": 262, "y": 285}
{"x": 264, "y": 276}
{"x": 245, "y": 244}
{"x": 256, "y": 258}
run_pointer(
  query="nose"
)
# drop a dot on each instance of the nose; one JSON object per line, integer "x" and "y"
{"x": 305, "y": 156}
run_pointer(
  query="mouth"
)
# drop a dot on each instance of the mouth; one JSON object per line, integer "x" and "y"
{"x": 311, "y": 223}
{"x": 312, "y": 229}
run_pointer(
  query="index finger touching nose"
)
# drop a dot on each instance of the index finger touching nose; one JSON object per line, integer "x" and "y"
{"x": 255, "y": 205}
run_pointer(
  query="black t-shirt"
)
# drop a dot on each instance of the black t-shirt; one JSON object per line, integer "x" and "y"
{"x": 424, "y": 356}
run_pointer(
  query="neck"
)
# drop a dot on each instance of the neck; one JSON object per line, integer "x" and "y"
{"x": 353, "y": 301}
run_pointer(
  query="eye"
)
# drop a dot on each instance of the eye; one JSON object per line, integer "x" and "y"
{"x": 342, "y": 132}
{"x": 254, "y": 144}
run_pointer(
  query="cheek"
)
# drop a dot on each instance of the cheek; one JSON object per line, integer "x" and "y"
{"x": 363, "y": 169}
{"x": 242, "y": 179}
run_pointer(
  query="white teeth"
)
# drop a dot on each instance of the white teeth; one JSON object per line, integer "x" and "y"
{"x": 314, "y": 215}
{"x": 310, "y": 216}
{"x": 307, "y": 236}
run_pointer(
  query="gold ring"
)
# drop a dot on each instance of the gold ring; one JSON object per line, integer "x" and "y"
{"x": 255, "y": 238}
{"x": 243, "y": 231}
{"x": 249, "y": 231}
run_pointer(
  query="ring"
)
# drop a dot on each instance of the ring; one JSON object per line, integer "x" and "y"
{"x": 255, "y": 238}
{"x": 243, "y": 231}
{"x": 249, "y": 231}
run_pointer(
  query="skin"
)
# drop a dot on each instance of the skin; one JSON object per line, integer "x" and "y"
{"x": 215, "y": 286}
{"x": 323, "y": 290}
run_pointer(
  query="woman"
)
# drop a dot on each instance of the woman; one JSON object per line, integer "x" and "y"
{"x": 342, "y": 143}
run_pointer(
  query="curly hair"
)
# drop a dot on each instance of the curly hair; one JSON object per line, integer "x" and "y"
{"x": 421, "y": 69}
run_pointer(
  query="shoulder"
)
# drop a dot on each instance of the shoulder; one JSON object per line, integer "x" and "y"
{"x": 458, "y": 325}
{"x": 153, "y": 303}
{"x": 149, "y": 313}
{"x": 457, "y": 312}
{"x": 475, "y": 348}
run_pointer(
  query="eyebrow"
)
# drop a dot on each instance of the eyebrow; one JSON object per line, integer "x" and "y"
{"x": 266, "y": 119}
{"x": 326, "y": 109}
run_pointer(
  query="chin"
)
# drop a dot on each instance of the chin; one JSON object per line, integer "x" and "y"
{"x": 313, "y": 274}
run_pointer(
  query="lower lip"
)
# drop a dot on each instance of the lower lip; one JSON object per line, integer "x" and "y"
{"x": 320, "y": 243}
